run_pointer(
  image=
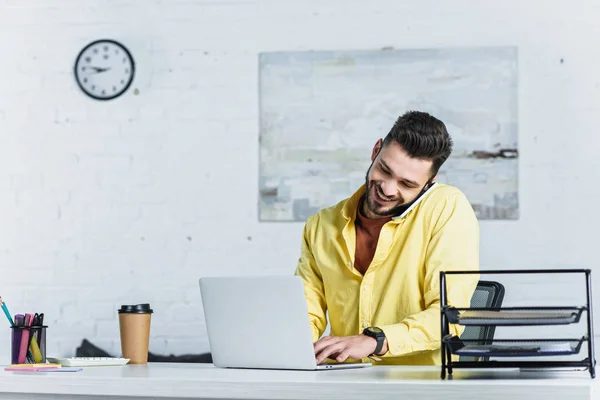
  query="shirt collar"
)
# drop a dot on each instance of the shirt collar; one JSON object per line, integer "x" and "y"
{"x": 351, "y": 205}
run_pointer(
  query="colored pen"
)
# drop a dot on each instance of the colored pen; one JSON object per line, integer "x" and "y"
{"x": 25, "y": 339}
{"x": 34, "y": 348}
{"x": 5, "y": 309}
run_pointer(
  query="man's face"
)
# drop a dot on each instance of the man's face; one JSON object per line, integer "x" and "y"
{"x": 393, "y": 179}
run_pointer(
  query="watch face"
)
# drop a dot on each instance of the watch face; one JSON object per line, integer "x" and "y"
{"x": 104, "y": 69}
{"x": 375, "y": 329}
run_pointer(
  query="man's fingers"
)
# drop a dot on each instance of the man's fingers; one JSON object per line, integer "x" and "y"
{"x": 343, "y": 356}
{"x": 340, "y": 348}
{"x": 333, "y": 349}
{"x": 326, "y": 341}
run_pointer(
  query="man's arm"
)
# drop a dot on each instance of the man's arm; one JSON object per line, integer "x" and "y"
{"x": 313, "y": 284}
{"x": 454, "y": 245}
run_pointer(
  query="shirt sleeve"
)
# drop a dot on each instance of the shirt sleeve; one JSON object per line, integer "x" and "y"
{"x": 308, "y": 270}
{"x": 454, "y": 245}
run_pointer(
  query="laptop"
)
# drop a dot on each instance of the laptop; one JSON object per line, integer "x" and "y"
{"x": 260, "y": 322}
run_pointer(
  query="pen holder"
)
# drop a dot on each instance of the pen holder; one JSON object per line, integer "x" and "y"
{"x": 28, "y": 344}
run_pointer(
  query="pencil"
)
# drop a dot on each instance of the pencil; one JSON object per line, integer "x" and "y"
{"x": 3, "y": 305}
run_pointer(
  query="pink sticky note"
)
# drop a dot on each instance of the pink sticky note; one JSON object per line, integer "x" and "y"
{"x": 32, "y": 369}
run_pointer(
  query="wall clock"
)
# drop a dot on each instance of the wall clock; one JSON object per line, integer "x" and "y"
{"x": 104, "y": 69}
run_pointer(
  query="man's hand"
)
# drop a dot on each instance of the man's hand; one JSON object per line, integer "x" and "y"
{"x": 340, "y": 348}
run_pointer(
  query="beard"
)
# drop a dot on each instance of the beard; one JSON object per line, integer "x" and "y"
{"x": 374, "y": 189}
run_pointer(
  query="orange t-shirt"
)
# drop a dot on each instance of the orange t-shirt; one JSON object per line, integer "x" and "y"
{"x": 367, "y": 235}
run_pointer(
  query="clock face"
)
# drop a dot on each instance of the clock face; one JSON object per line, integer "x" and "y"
{"x": 104, "y": 69}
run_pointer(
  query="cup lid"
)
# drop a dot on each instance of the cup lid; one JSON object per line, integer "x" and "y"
{"x": 136, "y": 309}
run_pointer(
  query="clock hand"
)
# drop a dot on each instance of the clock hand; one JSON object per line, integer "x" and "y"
{"x": 98, "y": 69}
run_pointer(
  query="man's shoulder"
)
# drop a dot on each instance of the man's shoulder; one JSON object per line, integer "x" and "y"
{"x": 329, "y": 216}
{"x": 330, "y": 213}
{"x": 446, "y": 192}
{"x": 445, "y": 200}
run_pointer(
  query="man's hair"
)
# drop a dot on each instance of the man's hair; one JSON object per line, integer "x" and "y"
{"x": 422, "y": 136}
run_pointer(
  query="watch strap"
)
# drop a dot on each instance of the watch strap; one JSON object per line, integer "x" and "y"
{"x": 379, "y": 337}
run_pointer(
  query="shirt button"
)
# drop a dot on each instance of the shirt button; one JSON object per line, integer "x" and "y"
{"x": 349, "y": 263}
{"x": 366, "y": 287}
{"x": 365, "y": 325}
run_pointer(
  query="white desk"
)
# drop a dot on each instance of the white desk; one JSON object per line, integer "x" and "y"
{"x": 204, "y": 381}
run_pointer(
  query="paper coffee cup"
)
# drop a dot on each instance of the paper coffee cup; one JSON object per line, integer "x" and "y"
{"x": 134, "y": 326}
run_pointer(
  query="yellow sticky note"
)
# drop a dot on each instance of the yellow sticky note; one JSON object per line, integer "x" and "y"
{"x": 35, "y": 365}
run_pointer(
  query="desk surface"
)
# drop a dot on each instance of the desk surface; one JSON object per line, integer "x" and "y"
{"x": 204, "y": 381}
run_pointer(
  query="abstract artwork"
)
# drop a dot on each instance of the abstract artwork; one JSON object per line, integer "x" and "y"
{"x": 321, "y": 112}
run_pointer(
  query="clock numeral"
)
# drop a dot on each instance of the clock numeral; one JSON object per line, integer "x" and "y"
{"x": 104, "y": 92}
{"x": 93, "y": 87}
{"x": 106, "y": 56}
{"x": 114, "y": 88}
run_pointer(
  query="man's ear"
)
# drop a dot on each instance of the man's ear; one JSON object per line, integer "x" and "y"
{"x": 376, "y": 149}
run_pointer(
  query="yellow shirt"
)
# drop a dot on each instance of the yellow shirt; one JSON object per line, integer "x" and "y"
{"x": 400, "y": 291}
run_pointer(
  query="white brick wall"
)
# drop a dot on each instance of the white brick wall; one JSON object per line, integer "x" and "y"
{"x": 133, "y": 200}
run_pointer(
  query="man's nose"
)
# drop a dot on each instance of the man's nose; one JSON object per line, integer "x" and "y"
{"x": 389, "y": 189}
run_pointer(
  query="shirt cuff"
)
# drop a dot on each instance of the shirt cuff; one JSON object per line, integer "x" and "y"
{"x": 401, "y": 343}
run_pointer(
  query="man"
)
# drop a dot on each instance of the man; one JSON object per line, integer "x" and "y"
{"x": 373, "y": 260}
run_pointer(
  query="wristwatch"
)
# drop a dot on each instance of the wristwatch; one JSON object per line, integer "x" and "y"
{"x": 377, "y": 334}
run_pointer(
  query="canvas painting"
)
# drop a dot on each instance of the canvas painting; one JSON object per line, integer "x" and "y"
{"x": 321, "y": 112}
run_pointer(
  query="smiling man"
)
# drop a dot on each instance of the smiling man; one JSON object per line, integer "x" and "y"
{"x": 372, "y": 261}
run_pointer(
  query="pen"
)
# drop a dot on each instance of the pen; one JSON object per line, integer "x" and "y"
{"x": 5, "y": 309}
{"x": 25, "y": 338}
{"x": 34, "y": 347}
{"x": 16, "y": 337}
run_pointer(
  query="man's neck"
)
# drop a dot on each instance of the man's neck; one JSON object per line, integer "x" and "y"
{"x": 364, "y": 211}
